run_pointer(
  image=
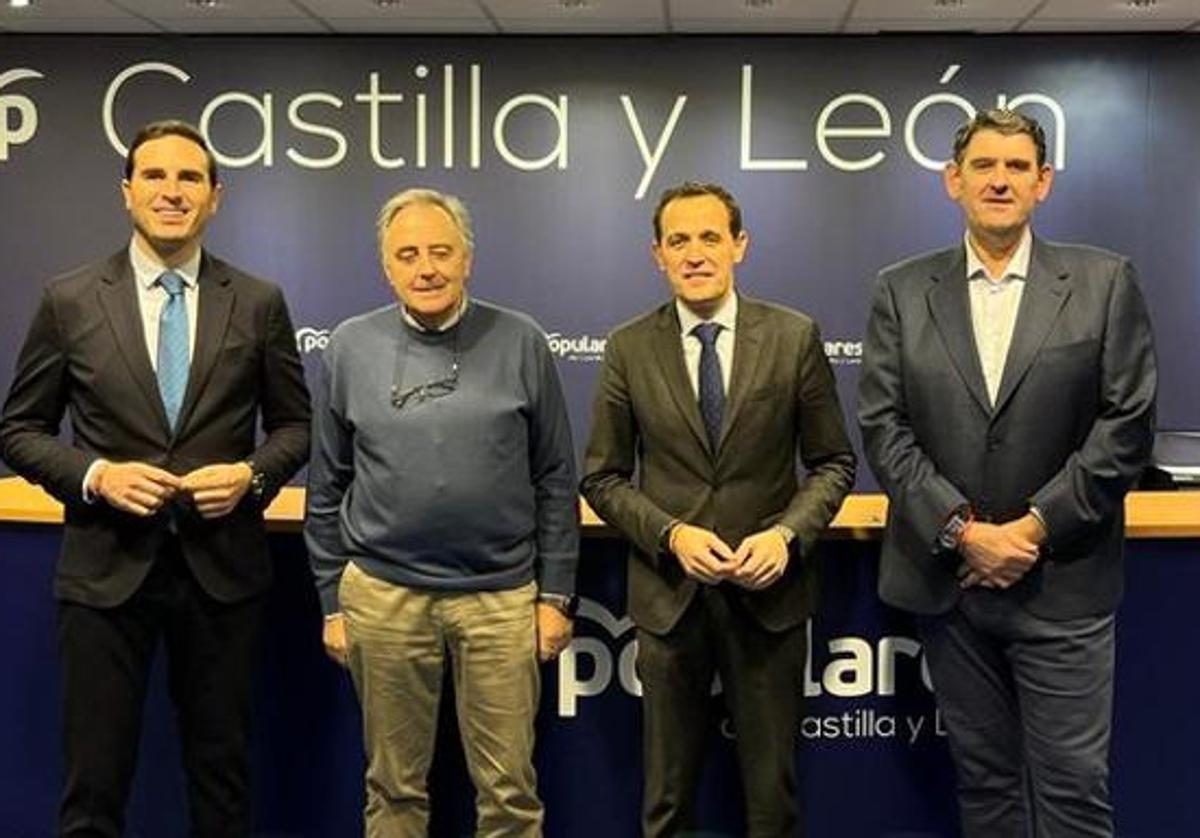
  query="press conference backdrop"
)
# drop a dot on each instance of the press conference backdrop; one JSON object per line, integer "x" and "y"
{"x": 560, "y": 147}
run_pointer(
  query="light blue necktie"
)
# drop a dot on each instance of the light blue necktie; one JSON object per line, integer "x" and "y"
{"x": 712, "y": 388}
{"x": 172, "y": 346}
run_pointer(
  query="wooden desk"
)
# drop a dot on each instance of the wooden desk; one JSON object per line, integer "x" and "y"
{"x": 1147, "y": 514}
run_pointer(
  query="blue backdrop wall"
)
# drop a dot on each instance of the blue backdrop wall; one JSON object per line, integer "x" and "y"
{"x": 560, "y": 147}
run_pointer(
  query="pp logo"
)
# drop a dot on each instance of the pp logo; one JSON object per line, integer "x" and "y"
{"x": 311, "y": 339}
{"x": 21, "y": 130}
{"x": 577, "y": 681}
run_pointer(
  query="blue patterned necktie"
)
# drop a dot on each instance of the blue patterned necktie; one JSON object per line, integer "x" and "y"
{"x": 712, "y": 389}
{"x": 172, "y": 346}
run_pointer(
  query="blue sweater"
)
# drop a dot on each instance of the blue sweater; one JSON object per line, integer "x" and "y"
{"x": 472, "y": 490}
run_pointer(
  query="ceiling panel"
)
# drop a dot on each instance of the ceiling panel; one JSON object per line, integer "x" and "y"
{"x": 756, "y": 25}
{"x": 69, "y": 16}
{"x": 1120, "y": 10}
{"x": 581, "y": 26}
{"x": 930, "y": 24}
{"x": 440, "y": 11}
{"x": 181, "y": 9}
{"x": 1115, "y": 15}
{"x": 738, "y": 10}
{"x": 417, "y": 26}
{"x": 1108, "y": 25}
{"x": 593, "y": 17}
{"x": 294, "y": 25}
{"x": 598, "y": 16}
{"x": 75, "y": 25}
{"x": 965, "y": 15}
{"x": 73, "y": 10}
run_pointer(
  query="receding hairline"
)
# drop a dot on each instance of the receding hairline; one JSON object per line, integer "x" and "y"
{"x": 450, "y": 205}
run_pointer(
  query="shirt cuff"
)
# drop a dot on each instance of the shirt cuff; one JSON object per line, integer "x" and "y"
{"x": 1037, "y": 513}
{"x": 789, "y": 534}
{"x": 88, "y": 495}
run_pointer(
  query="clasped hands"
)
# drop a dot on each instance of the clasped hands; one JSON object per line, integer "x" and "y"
{"x": 999, "y": 555}
{"x": 141, "y": 489}
{"x": 758, "y": 561}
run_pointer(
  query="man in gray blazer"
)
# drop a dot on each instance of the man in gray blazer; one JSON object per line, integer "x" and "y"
{"x": 710, "y": 399}
{"x": 1007, "y": 405}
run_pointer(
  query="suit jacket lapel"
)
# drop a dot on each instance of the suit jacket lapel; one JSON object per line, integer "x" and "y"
{"x": 118, "y": 298}
{"x": 668, "y": 351}
{"x": 212, "y": 322}
{"x": 950, "y": 307}
{"x": 747, "y": 341}
{"x": 1046, "y": 291}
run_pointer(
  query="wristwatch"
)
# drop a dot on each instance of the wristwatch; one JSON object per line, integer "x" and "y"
{"x": 258, "y": 482}
{"x": 568, "y": 604}
{"x": 952, "y": 531}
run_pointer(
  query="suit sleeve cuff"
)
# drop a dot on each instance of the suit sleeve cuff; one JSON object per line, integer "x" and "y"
{"x": 85, "y": 489}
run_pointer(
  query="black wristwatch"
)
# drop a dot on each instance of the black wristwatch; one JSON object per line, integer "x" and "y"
{"x": 568, "y": 604}
{"x": 258, "y": 483}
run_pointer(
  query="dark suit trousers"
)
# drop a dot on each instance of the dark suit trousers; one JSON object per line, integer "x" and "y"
{"x": 761, "y": 677}
{"x": 106, "y": 654}
{"x": 1027, "y": 705}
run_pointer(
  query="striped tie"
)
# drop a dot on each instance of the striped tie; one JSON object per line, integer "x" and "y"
{"x": 712, "y": 388}
{"x": 172, "y": 346}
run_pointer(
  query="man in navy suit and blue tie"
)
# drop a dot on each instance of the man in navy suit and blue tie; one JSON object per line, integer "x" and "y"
{"x": 1007, "y": 405}
{"x": 167, "y": 360}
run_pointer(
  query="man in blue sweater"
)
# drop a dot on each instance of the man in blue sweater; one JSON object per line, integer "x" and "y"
{"x": 442, "y": 521}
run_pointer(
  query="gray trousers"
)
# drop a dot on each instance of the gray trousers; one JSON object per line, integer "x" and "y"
{"x": 1027, "y": 705}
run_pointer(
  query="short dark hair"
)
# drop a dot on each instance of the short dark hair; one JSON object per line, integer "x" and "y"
{"x": 694, "y": 189}
{"x": 1002, "y": 121}
{"x": 171, "y": 128}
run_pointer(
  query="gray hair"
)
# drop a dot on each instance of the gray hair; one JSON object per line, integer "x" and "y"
{"x": 452, "y": 206}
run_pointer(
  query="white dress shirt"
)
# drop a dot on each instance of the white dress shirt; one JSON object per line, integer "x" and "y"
{"x": 152, "y": 296}
{"x": 726, "y": 315}
{"x": 994, "y": 306}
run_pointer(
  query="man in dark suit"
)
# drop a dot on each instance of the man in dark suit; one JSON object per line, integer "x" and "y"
{"x": 709, "y": 400}
{"x": 1007, "y": 405}
{"x": 165, "y": 358}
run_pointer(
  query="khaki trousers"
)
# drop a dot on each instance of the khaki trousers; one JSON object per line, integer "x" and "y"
{"x": 400, "y": 640}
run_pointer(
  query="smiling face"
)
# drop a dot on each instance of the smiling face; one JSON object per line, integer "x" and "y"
{"x": 998, "y": 183}
{"x": 170, "y": 197}
{"x": 697, "y": 251}
{"x": 426, "y": 261}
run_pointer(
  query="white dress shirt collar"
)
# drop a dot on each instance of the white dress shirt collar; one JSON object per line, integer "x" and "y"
{"x": 725, "y": 315}
{"x": 147, "y": 269}
{"x": 1018, "y": 263}
{"x": 449, "y": 324}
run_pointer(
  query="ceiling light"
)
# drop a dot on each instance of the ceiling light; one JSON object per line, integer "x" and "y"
{"x": 387, "y": 4}
{"x": 18, "y": 4}
{"x": 1141, "y": 4}
{"x": 949, "y": 4}
{"x": 759, "y": 4}
{"x": 205, "y": 4}
{"x": 574, "y": 4}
